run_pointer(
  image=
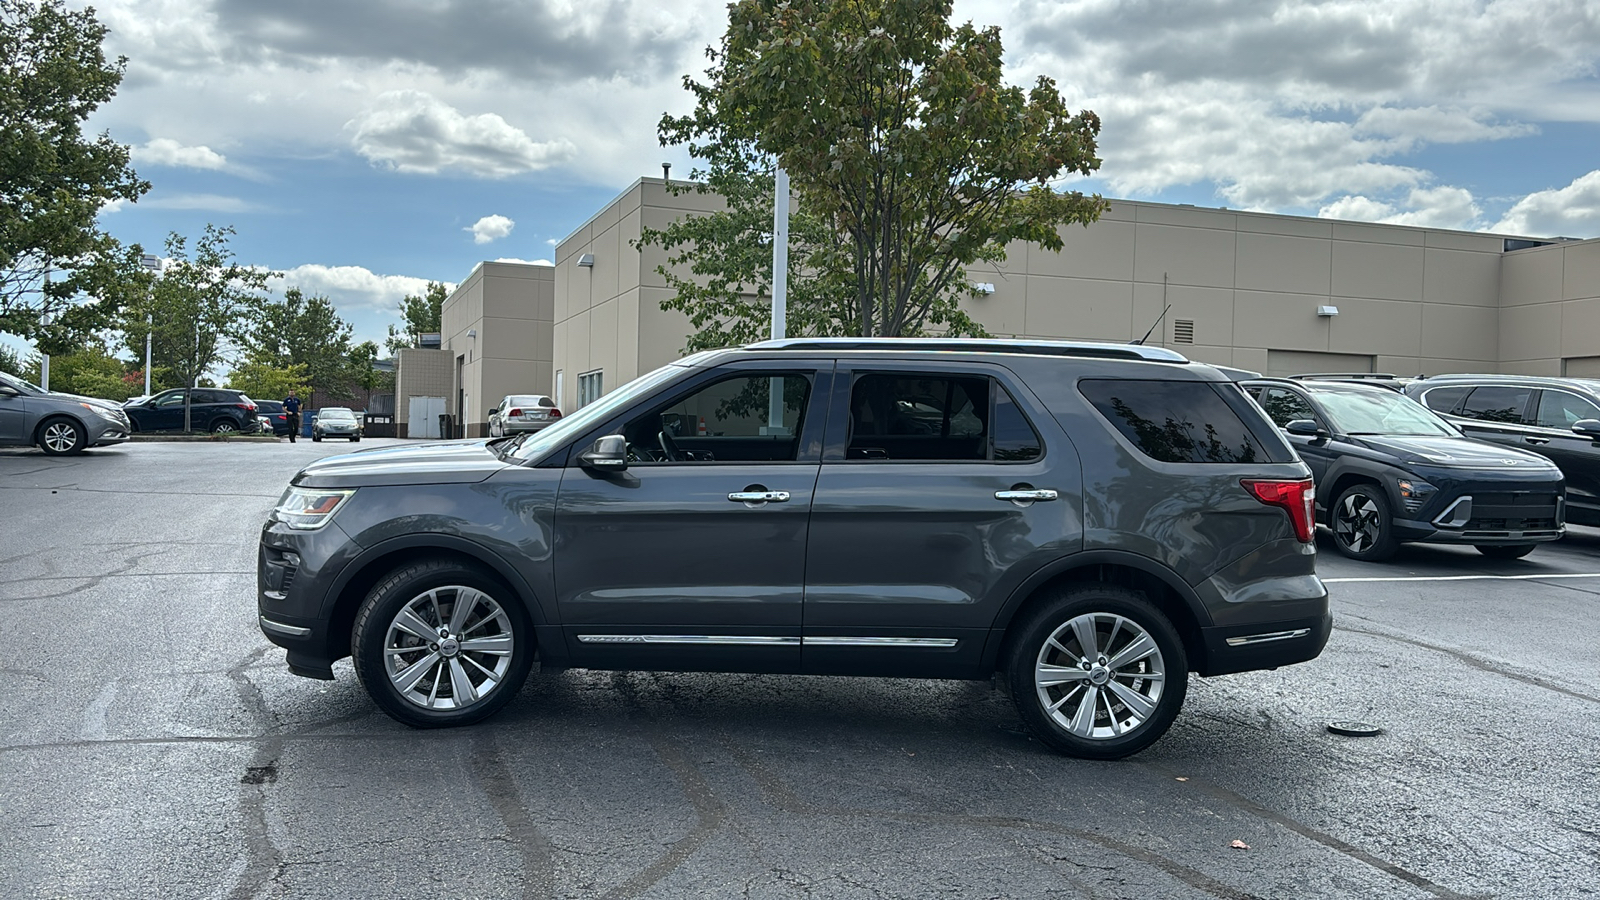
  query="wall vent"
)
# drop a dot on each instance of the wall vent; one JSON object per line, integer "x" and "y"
{"x": 1183, "y": 331}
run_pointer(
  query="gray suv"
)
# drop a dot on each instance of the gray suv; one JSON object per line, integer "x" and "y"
{"x": 58, "y": 423}
{"x": 1098, "y": 521}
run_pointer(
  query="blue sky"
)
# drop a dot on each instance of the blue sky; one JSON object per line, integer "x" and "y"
{"x": 355, "y": 145}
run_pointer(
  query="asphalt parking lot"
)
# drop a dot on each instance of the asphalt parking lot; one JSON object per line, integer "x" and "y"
{"x": 153, "y": 743}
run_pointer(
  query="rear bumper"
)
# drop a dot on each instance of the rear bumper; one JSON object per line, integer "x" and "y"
{"x": 520, "y": 427}
{"x": 1245, "y": 648}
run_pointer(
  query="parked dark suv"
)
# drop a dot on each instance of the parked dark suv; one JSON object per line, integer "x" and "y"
{"x": 210, "y": 409}
{"x": 1557, "y": 418}
{"x": 272, "y": 411}
{"x": 1389, "y": 471}
{"x": 1097, "y": 520}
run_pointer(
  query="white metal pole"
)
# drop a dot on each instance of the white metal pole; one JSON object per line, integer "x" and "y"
{"x": 153, "y": 264}
{"x": 780, "y": 290}
{"x": 44, "y": 358}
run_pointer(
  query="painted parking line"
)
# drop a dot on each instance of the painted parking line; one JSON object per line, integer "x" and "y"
{"x": 1464, "y": 578}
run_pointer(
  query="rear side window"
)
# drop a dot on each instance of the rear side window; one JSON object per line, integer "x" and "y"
{"x": 937, "y": 418}
{"x": 1497, "y": 404}
{"x": 1445, "y": 400}
{"x": 1180, "y": 421}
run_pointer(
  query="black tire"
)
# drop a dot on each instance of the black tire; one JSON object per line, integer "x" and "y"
{"x": 225, "y": 426}
{"x": 60, "y": 436}
{"x": 353, "y": 439}
{"x": 1114, "y": 609}
{"x": 1362, "y": 524}
{"x": 1506, "y": 551}
{"x": 370, "y": 637}
{"x": 317, "y": 438}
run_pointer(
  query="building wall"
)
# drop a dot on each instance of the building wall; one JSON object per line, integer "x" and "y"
{"x": 419, "y": 373}
{"x": 509, "y": 308}
{"x": 1244, "y": 287}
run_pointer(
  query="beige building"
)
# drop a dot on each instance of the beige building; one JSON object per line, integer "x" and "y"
{"x": 1270, "y": 293}
{"x": 497, "y": 328}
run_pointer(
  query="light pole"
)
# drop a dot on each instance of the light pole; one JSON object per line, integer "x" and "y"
{"x": 152, "y": 263}
{"x": 780, "y": 290}
{"x": 44, "y": 321}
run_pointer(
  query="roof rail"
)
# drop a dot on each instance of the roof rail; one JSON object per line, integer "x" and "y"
{"x": 1353, "y": 376}
{"x": 1091, "y": 349}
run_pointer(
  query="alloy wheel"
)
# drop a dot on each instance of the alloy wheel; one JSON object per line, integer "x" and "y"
{"x": 448, "y": 648}
{"x": 61, "y": 437}
{"x": 1100, "y": 676}
{"x": 1358, "y": 523}
{"x": 223, "y": 428}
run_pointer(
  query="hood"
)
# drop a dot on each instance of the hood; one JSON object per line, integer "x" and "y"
{"x": 78, "y": 398}
{"x": 447, "y": 462}
{"x": 1453, "y": 452}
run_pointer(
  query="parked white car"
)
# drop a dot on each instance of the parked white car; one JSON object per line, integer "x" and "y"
{"x": 522, "y": 412}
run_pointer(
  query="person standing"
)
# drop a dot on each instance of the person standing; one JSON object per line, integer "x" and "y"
{"x": 291, "y": 409}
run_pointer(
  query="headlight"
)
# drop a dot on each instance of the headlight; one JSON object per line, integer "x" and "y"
{"x": 1415, "y": 494}
{"x": 102, "y": 412}
{"x": 307, "y": 510}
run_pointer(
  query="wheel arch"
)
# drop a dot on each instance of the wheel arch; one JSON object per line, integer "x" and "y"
{"x": 1346, "y": 479}
{"x": 372, "y": 564}
{"x": 83, "y": 427}
{"x": 1160, "y": 584}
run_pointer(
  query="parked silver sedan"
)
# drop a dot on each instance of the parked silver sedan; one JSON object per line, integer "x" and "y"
{"x": 522, "y": 412}
{"x": 336, "y": 422}
{"x": 58, "y": 423}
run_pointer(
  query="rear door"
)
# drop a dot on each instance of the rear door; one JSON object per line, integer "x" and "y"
{"x": 693, "y": 557}
{"x": 942, "y": 486}
{"x": 1496, "y": 413}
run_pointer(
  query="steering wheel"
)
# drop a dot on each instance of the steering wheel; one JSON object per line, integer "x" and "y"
{"x": 669, "y": 447}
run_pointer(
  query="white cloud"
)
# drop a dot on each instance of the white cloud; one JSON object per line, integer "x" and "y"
{"x": 490, "y": 228}
{"x": 1572, "y": 211}
{"x": 525, "y": 262}
{"x": 414, "y": 131}
{"x": 203, "y": 202}
{"x": 1438, "y": 207}
{"x": 352, "y": 285}
{"x": 168, "y": 152}
{"x": 1433, "y": 124}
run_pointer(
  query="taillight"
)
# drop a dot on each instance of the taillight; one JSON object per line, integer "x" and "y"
{"x": 514, "y": 412}
{"x": 555, "y": 413}
{"x": 1297, "y": 498}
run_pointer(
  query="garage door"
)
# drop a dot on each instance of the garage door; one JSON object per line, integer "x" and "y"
{"x": 1303, "y": 362}
{"x": 1581, "y": 367}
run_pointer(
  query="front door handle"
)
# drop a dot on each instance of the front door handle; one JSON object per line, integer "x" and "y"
{"x": 759, "y": 496}
{"x": 1537, "y": 440}
{"x": 1025, "y": 496}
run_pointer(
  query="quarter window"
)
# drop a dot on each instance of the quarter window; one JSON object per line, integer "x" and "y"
{"x": 1175, "y": 421}
{"x": 1559, "y": 409}
{"x": 1445, "y": 400}
{"x": 1497, "y": 404}
{"x": 750, "y": 418}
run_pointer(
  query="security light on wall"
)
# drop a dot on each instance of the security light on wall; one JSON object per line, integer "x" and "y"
{"x": 472, "y": 332}
{"x": 1327, "y": 311}
{"x": 984, "y": 287}
{"x": 586, "y": 260}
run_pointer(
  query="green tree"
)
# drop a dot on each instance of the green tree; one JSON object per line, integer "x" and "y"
{"x": 90, "y": 371}
{"x": 909, "y": 156}
{"x": 197, "y": 309}
{"x": 420, "y": 315}
{"x": 304, "y": 331}
{"x": 54, "y": 180}
{"x": 264, "y": 381}
{"x": 10, "y": 361}
{"x": 363, "y": 365}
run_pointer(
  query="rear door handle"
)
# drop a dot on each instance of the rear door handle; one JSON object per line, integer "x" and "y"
{"x": 759, "y": 496}
{"x": 1536, "y": 440}
{"x": 1016, "y": 496}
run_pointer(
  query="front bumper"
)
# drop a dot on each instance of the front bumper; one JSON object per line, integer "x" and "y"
{"x": 295, "y": 575}
{"x": 1488, "y": 516}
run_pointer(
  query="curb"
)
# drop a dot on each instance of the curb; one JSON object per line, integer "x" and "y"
{"x": 152, "y": 438}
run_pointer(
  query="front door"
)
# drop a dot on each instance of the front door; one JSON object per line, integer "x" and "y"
{"x": 1577, "y": 455}
{"x": 13, "y": 418}
{"x": 692, "y": 558}
{"x": 1283, "y": 406}
{"x": 942, "y": 487}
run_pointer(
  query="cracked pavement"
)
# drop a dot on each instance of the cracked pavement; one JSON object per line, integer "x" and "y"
{"x": 153, "y": 744}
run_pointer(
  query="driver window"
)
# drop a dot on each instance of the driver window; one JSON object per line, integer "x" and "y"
{"x": 174, "y": 399}
{"x": 1284, "y": 406}
{"x": 749, "y": 418}
{"x": 1559, "y": 409}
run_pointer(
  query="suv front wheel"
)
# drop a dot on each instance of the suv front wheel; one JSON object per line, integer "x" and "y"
{"x": 442, "y": 643}
{"x": 1098, "y": 672}
{"x": 1361, "y": 524}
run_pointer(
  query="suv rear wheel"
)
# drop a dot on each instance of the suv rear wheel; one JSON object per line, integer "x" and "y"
{"x": 224, "y": 426}
{"x": 442, "y": 643}
{"x": 1362, "y": 525}
{"x": 1098, "y": 672}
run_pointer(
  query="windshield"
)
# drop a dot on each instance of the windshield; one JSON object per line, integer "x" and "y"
{"x": 336, "y": 414}
{"x": 1381, "y": 412}
{"x": 543, "y": 441}
{"x": 22, "y": 386}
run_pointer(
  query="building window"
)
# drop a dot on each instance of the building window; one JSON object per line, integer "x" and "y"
{"x": 590, "y": 387}
{"x": 561, "y": 386}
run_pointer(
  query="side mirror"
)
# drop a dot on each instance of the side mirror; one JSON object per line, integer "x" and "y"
{"x": 1589, "y": 428}
{"x": 1305, "y": 428}
{"x": 609, "y": 454}
{"x": 7, "y": 390}
{"x": 492, "y": 411}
